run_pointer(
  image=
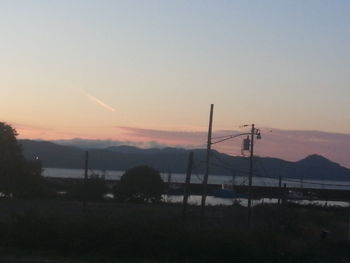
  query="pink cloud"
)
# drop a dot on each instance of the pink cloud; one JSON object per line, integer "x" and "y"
{"x": 164, "y": 136}
{"x": 38, "y": 132}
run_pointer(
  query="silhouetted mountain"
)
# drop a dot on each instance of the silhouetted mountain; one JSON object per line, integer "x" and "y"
{"x": 124, "y": 149}
{"x": 316, "y": 160}
{"x": 53, "y": 155}
{"x": 175, "y": 160}
{"x": 317, "y": 167}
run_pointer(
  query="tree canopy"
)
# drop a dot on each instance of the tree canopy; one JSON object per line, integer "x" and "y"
{"x": 140, "y": 184}
{"x": 18, "y": 177}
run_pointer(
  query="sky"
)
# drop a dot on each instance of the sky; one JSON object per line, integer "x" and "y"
{"x": 147, "y": 71}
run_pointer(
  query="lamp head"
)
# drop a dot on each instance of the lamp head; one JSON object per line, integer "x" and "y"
{"x": 258, "y": 136}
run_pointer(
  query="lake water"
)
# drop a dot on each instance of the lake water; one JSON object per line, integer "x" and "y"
{"x": 215, "y": 179}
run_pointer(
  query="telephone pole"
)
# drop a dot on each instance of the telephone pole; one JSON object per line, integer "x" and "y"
{"x": 250, "y": 146}
{"x": 86, "y": 167}
{"x": 250, "y": 176}
{"x": 205, "y": 179}
{"x": 187, "y": 186}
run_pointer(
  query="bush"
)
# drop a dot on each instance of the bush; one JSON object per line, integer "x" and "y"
{"x": 91, "y": 190}
{"x": 140, "y": 184}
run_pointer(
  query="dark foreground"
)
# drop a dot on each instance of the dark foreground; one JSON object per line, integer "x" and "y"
{"x": 65, "y": 231}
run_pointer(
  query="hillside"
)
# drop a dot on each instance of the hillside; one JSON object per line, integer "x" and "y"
{"x": 175, "y": 160}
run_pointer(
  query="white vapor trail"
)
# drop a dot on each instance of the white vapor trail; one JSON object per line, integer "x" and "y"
{"x": 99, "y": 102}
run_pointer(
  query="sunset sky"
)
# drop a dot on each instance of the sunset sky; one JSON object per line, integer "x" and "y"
{"x": 147, "y": 71}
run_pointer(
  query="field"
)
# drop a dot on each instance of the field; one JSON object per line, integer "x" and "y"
{"x": 119, "y": 232}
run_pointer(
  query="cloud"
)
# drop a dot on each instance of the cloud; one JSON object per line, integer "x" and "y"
{"x": 194, "y": 138}
{"x": 39, "y": 132}
{"x": 28, "y": 127}
{"x": 294, "y": 145}
{"x": 98, "y": 102}
{"x": 101, "y": 144}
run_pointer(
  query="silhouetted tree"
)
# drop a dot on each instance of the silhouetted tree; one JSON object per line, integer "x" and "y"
{"x": 139, "y": 184}
{"x": 11, "y": 158}
{"x": 29, "y": 182}
{"x": 18, "y": 177}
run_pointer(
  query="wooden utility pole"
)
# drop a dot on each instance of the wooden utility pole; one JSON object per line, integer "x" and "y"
{"x": 169, "y": 186}
{"x": 250, "y": 176}
{"x": 205, "y": 179}
{"x": 86, "y": 167}
{"x": 187, "y": 185}
{"x": 279, "y": 189}
{"x": 284, "y": 195}
{"x": 349, "y": 229}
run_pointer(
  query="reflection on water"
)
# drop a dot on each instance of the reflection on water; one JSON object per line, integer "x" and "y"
{"x": 211, "y": 200}
{"x": 196, "y": 200}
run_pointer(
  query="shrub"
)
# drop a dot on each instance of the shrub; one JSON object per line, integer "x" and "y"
{"x": 140, "y": 184}
{"x": 91, "y": 190}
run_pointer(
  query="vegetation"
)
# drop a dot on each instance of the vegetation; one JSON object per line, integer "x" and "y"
{"x": 140, "y": 184}
{"x": 30, "y": 183}
{"x": 18, "y": 177}
{"x": 116, "y": 232}
{"x": 93, "y": 189}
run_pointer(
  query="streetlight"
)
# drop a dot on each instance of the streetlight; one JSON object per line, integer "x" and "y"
{"x": 248, "y": 145}
{"x": 254, "y": 131}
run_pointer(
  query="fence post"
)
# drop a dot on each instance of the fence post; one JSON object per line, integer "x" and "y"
{"x": 187, "y": 185}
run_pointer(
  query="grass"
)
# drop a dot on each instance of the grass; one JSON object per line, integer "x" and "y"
{"x": 116, "y": 232}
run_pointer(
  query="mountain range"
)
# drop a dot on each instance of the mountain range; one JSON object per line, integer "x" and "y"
{"x": 52, "y": 155}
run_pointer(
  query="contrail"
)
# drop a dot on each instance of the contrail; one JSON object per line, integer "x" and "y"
{"x": 99, "y": 102}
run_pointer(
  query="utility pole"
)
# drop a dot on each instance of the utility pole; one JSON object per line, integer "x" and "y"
{"x": 169, "y": 186}
{"x": 349, "y": 229}
{"x": 279, "y": 190}
{"x": 86, "y": 167}
{"x": 205, "y": 179}
{"x": 252, "y": 133}
{"x": 250, "y": 176}
{"x": 187, "y": 186}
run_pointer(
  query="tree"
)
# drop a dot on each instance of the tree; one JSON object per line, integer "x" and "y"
{"x": 11, "y": 158}
{"x": 30, "y": 182}
{"x": 139, "y": 184}
{"x": 18, "y": 177}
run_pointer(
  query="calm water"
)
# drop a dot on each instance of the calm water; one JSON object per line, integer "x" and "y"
{"x": 215, "y": 179}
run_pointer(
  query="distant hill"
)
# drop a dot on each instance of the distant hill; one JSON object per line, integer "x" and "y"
{"x": 175, "y": 160}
